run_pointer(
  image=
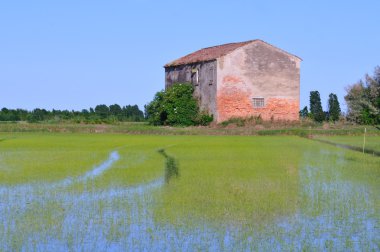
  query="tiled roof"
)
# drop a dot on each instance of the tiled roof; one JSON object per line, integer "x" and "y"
{"x": 207, "y": 54}
{"x": 212, "y": 53}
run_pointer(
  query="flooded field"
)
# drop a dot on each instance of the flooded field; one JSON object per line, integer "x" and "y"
{"x": 183, "y": 193}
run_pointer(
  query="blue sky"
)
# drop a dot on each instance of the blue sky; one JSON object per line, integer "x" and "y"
{"x": 76, "y": 54}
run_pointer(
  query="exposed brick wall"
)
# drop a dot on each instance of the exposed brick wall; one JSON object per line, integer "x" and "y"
{"x": 234, "y": 100}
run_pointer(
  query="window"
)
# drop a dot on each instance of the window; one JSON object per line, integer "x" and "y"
{"x": 195, "y": 76}
{"x": 258, "y": 102}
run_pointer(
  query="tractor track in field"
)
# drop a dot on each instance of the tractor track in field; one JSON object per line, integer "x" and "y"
{"x": 90, "y": 175}
{"x": 37, "y": 192}
{"x": 350, "y": 147}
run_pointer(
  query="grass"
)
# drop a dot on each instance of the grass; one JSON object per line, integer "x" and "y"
{"x": 232, "y": 193}
{"x": 36, "y": 158}
{"x": 235, "y": 126}
{"x": 232, "y": 178}
{"x": 49, "y": 157}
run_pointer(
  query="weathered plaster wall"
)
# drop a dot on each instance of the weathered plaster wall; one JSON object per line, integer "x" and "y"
{"x": 262, "y": 71}
{"x": 204, "y": 89}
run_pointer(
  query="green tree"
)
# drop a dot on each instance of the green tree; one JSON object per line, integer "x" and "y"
{"x": 9, "y": 115}
{"x": 37, "y": 115}
{"x": 155, "y": 110}
{"x": 102, "y": 111}
{"x": 316, "y": 111}
{"x": 175, "y": 106}
{"x": 363, "y": 100}
{"x": 22, "y": 114}
{"x": 334, "y": 107}
{"x": 133, "y": 113}
{"x": 304, "y": 113}
{"x": 115, "y": 110}
{"x": 181, "y": 107}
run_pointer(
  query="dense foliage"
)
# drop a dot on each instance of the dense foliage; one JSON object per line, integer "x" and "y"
{"x": 101, "y": 114}
{"x": 316, "y": 110}
{"x": 363, "y": 100}
{"x": 176, "y": 106}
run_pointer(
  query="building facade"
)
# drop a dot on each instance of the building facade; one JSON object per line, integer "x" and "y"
{"x": 245, "y": 79}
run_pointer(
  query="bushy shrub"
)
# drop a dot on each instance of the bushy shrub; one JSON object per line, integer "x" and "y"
{"x": 175, "y": 106}
{"x": 238, "y": 121}
{"x": 243, "y": 121}
{"x": 204, "y": 119}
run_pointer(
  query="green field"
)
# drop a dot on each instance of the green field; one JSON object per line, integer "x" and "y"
{"x": 90, "y": 192}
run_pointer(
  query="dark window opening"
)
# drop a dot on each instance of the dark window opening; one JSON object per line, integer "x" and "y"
{"x": 258, "y": 102}
{"x": 195, "y": 76}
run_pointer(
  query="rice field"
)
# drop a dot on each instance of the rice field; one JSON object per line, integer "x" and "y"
{"x": 112, "y": 192}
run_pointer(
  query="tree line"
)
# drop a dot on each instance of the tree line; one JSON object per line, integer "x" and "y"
{"x": 316, "y": 112}
{"x": 362, "y": 98}
{"x": 176, "y": 106}
{"x": 100, "y": 114}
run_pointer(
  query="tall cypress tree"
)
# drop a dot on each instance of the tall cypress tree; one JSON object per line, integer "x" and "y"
{"x": 316, "y": 107}
{"x": 334, "y": 107}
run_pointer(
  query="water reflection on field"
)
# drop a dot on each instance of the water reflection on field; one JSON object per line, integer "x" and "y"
{"x": 334, "y": 213}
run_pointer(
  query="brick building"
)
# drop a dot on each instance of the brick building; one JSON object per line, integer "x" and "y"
{"x": 243, "y": 79}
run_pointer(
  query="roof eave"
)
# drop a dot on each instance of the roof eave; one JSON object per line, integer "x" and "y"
{"x": 190, "y": 63}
